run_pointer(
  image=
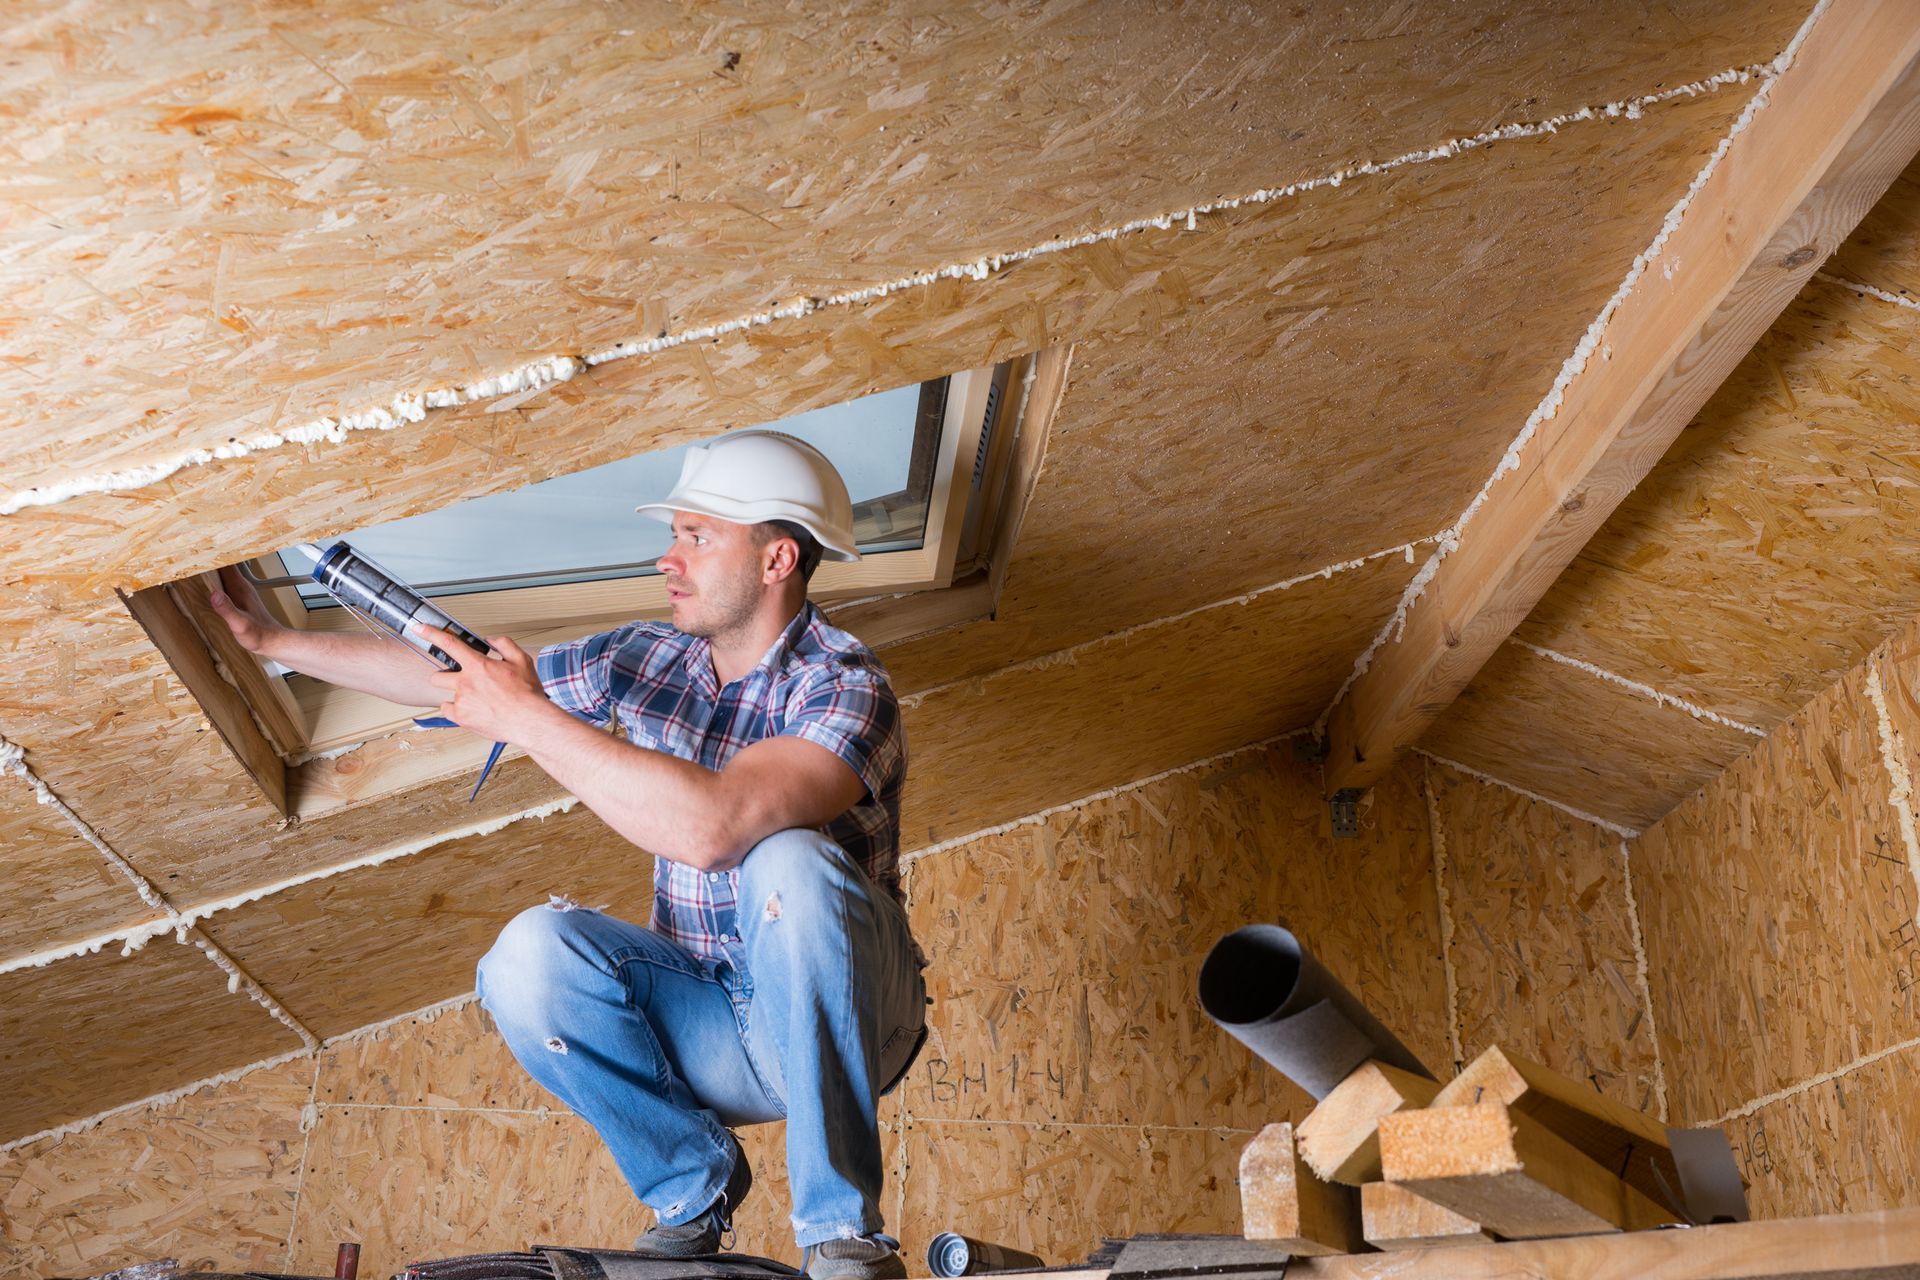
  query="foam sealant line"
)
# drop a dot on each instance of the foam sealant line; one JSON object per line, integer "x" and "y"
{"x": 181, "y": 920}
{"x": 1644, "y": 690}
{"x": 1035, "y": 819}
{"x": 1893, "y": 755}
{"x": 1869, "y": 291}
{"x": 1592, "y": 342}
{"x": 1444, "y": 898}
{"x": 156, "y": 1100}
{"x": 13, "y": 761}
{"x": 1813, "y": 1082}
{"x": 1625, "y": 833}
{"x": 1061, "y": 656}
{"x": 1641, "y": 971}
{"x": 413, "y": 406}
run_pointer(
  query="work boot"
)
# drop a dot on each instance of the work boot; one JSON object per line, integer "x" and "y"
{"x": 874, "y": 1257}
{"x": 703, "y": 1234}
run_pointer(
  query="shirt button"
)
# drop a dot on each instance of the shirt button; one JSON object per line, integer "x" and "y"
{"x": 713, "y": 875}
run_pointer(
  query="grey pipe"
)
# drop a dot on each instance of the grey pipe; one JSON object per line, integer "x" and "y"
{"x": 1272, "y": 995}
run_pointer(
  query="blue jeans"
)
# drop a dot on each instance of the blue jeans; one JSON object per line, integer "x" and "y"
{"x": 815, "y": 1011}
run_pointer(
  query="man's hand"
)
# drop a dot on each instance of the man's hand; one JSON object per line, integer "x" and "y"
{"x": 497, "y": 696}
{"x": 240, "y": 608}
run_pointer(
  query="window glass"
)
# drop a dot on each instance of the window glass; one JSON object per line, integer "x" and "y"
{"x": 582, "y": 527}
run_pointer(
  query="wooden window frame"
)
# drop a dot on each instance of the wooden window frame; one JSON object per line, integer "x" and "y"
{"x": 315, "y": 748}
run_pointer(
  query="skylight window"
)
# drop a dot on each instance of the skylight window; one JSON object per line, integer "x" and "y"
{"x": 582, "y": 527}
{"x": 938, "y": 471}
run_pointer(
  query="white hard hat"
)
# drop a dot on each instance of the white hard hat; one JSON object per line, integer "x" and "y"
{"x": 754, "y": 476}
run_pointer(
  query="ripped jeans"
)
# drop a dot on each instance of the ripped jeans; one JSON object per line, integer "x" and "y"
{"x": 817, "y": 1010}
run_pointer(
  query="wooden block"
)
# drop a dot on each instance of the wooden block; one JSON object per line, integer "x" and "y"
{"x": 1340, "y": 1139}
{"x": 1617, "y": 1137}
{"x": 1282, "y": 1200}
{"x": 1506, "y": 1171}
{"x": 1394, "y": 1217}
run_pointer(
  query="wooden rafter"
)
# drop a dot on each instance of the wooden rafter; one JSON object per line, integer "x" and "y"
{"x": 1842, "y": 121}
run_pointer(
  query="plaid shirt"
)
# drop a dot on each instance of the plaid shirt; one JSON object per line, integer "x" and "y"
{"x": 815, "y": 682}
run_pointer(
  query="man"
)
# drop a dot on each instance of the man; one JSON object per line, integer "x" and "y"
{"x": 763, "y": 765}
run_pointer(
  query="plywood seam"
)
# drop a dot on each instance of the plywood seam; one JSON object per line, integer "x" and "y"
{"x": 13, "y": 760}
{"x": 166, "y": 1098}
{"x": 1591, "y": 343}
{"x": 1569, "y": 810}
{"x": 530, "y": 378}
{"x": 1640, "y": 969}
{"x": 1893, "y": 750}
{"x": 1643, "y": 690}
{"x": 309, "y": 1118}
{"x": 1059, "y": 656}
{"x": 1813, "y": 1082}
{"x": 1868, "y": 291}
{"x": 1444, "y": 897}
{"x": 1034, "y": 819}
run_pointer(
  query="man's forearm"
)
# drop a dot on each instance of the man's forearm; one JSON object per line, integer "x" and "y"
{"x": 666, "y": 805}
{"x": 355, "y": 660}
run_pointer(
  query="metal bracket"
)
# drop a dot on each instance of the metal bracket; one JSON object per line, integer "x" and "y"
{"x": 1345, "y": 809}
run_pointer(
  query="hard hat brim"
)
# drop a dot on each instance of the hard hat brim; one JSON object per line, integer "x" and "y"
{"x": 720, "y": 508}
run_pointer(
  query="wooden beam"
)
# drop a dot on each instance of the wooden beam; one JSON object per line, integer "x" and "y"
{"x": 1881, "y": 1245}
{"x": 1340, "y": 1138}
{"x": 1860, "y": 1246}
{"x": 1506, "y": 1171}
{"x": 1615, "y": 1136}
{"x": 1283, "y": 1201}
{"x": 1842, "y": 122}
{"x": 160, "y": 615}
{"x": 1396, "y": 1217}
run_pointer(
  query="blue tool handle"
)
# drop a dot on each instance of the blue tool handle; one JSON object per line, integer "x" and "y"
{"x": 493, "y": 757}
{"x": 434, "y": 722}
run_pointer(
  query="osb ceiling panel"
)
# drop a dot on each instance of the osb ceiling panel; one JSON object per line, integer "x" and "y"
{"x": 354, "y": 949}
{"x": 1036, "y": 735}
{"x": 319, "y": 209}
{"x": 1779, "y": 539}
{"x": 1595, "y": 746}
{"x": 89, "y": 1033}
{"x": 1349, "y": 394}
{"x": 138, "y": 724}
{"x": 59, "y": 888}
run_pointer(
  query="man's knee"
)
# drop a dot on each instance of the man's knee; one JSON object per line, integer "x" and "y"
{"x": 792, "y": 868}
{"x": 519, "y": 969}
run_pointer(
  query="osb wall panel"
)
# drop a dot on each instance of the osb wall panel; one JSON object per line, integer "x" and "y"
{"x": 1065, "y": 955}
{"x": 1848, "y": 1145}
{"x": 87, "y": 1034}
{"x": 353, "y": 949}
{"x": 1580, "y": 740}
{"x": 58, "y": 887}
{"x": 1057, "y": 1191}
{"x": 521, "y": 165}
{"x": 454, "y": 1059}
{"x": 1542, "y": 941}
{"x": 1766, "y": 902}
{"x": 1884, "y": 250}
{"x": 431, "y": 1184}
{"x": 1290, "y": 430}
{"x": 984, "y": 752}
{"x": 1779, "y": 539}
{"x": 209, "y": 1180}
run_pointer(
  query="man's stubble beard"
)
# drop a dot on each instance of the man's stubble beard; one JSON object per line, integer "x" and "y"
{"x": 731, "y": 605}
